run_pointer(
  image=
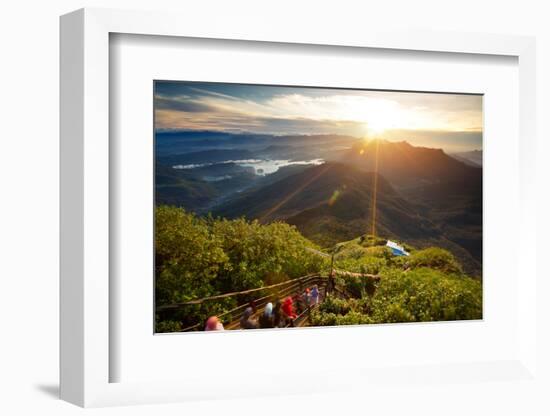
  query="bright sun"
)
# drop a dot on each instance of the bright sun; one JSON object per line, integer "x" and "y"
{"x": 382, "y": 118}
{"x": 378, "y": 126}
{"x": 376, "y": 129}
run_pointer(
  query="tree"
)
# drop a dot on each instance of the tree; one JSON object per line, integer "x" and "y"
{"x": 187, "y": 256}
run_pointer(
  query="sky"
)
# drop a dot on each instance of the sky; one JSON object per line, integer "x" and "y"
{"x": 452, "y": 122}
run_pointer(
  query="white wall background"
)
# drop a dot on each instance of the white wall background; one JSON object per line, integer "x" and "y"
{"x": 29, "y": 208}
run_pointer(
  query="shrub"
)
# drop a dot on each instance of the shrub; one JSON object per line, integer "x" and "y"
{"x": 353, "y": 318}
{"x": 352, "y": 251}
{"x": 188, "y": 258}
{"x": 340, "y": 312}
{"x": 198, "y": 257}
{"x": 368, "y": 265}
{"x": 426, "y": 295}
{"x": 418, "y": 295}
{"x": 369, "y": 240}
{"x": 435, "y": 258}
{"x": 379, "y": 251}
{"x": 336, "y": 306}
{"x": 168, "y": 326}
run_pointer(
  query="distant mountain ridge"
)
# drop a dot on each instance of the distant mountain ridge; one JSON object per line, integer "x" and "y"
{"x": 472, "y": 158}
{"x": 405, "y": 165}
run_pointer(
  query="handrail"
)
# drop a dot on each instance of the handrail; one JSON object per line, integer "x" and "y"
{"x": 283, "y": 289}
{"x": 293, "y": 287}
{"x": 230, "y": 294}
{"x": 356, "y": 274}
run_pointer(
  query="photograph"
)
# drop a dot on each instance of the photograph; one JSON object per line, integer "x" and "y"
{"x": 279, "y": 206}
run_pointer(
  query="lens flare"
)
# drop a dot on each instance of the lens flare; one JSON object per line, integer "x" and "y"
{"x": 323, "y": 169}
{"x": 375, "y": 188}
{"x": 335, "y": 195}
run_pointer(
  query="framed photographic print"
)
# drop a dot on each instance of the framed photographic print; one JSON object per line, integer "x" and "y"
{"x": 280, "y": 206}
{"x": 227, "y": 198}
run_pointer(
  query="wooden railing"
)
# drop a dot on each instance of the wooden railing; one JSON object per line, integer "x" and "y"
{"x": 271, "y": 293}
{"x": 276, "y": 292}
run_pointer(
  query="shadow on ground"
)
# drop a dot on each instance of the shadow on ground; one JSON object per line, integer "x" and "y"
{"x": 51, "y": 390}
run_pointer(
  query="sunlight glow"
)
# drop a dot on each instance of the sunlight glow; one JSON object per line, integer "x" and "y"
{"x": 369, "y": 112}
{"x": 375, "y": 189}
{"x": 448, "y": 121}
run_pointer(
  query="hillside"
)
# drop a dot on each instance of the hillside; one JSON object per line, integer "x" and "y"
{"x": 333, "y": 202}
{"x": 408, "y": 166}
{"x": 310, "y": 188}
{"x": 173, "y": 187}
{"x": 441, "y": 189}
{"x": 200, "y": 188}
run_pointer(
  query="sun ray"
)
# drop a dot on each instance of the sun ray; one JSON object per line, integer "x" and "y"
{"x": 323, "y": 169}
{"x": 375, "y": 189}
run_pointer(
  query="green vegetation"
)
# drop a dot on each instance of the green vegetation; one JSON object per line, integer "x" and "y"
{"x": 198, "y": 257}
{"x": 435, "y": 258}
{"x": 414, "y": 296}
{"x": 426, "y": 295}
{"x": 428, "y": 285}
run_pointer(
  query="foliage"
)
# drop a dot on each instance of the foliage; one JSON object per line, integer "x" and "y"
{"x": 257, "y": 251}
{"x": 167, "y": 326}
{"x": 365, "y": 245}
{"x": 369, "y": 240}
{"x": 332, "y": 319}
{"x": 435, "y": 258}
{"x": 366, "y": 264}
{"x": 336, "y": 306}
{"x": 414, "y": 296}
{"x": 188, "y": 257}
{"x": 199, "y": 257}
{"x": 426, "y": 295}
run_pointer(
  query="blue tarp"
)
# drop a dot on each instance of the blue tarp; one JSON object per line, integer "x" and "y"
{"x": 396, "y": 249}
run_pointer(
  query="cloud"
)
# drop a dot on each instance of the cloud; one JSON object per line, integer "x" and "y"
{"x": 426, "y": 117}
{"x": 235, "y": 122}
{"x": 185, "y": 105}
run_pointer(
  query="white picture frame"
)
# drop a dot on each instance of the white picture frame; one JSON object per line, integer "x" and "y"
{"x": 85, "y": 352}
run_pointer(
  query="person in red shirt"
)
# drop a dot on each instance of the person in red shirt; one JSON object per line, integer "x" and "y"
{"x": 288, "y": 309}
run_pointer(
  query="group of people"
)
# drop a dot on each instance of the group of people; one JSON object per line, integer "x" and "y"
{"x": 281, "y": 315}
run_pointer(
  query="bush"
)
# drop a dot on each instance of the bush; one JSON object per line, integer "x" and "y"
{"x": 168, "y": 326}
{"x": 369, "y": 240}
{"x": 336, "y": 306}
{"x": 353, "y": 318}
{"x": 362, "y": 246}
{"x": 352, "y": 251}
{"x": 415, "y": 296}
{"x": 198, "y": 257}
{"x": 368, "y": 265}
{"x": 434, "y": 258}
{"x": 257, "y": 251}
{"x": 188, "y": 258}
{"x": 341, "y": 312}
{"x": 379, "y": 251}
{"x": 426, "y": 295}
